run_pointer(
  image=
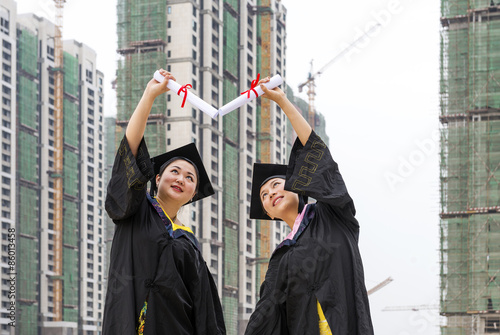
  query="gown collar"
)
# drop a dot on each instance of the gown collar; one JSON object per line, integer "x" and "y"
{"x": 173, "y": 229}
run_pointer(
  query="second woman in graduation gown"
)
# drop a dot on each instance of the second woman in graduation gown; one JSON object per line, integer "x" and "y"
{"x": 315, "y": 282}
{"x": 158, "y": 281}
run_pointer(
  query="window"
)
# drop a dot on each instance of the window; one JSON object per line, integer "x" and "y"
{"x": 194, "y": 25}
{"x": 215, "y": 26}
{"x": 4, "y": 20}
{"x": 194, "y": 40}
{"x": 6, "y": 45}
{"x": 169, "y": 9}
{"x": 169, "y": 24}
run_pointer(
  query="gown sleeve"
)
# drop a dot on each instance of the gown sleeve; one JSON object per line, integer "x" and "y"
{"x": 269, "y": 316}
{"x": 313, "y": 172}
{"x": 127, "y": 186}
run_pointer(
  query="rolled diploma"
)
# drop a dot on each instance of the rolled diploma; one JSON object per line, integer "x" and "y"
{"x": 191, "y": 97}
{"x": 243, "y": 99}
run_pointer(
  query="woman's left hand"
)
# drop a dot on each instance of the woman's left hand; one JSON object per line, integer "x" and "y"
{"x": 276, "y": 94}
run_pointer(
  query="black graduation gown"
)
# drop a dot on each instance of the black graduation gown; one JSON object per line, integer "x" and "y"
{"x": 322, "y": 262}
{"x": 147, "y": 262}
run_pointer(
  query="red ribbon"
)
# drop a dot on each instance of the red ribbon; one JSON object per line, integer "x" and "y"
{"x": 183, "y": 89}
{"x": 254, "y": 84}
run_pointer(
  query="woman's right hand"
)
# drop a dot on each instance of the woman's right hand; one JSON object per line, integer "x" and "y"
{"x": 154, "y": 88}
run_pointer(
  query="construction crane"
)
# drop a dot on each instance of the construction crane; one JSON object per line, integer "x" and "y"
{"x": 312, "y": 76}
{"x": 379, "y": 286}
{"x": 57, "y": 174}
{"x": 415, "y": 308}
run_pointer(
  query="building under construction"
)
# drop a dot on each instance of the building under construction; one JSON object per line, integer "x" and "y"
{"x": 470, "y": 167}
{"x": 28, "y": 173}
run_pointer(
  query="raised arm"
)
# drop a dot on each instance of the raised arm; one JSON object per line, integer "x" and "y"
{"x": 299, "y": 124}
{"x": 138, "y": 120}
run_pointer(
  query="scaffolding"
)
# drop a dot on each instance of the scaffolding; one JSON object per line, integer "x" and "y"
{"x": 231, "y": 144}
{"x": 470, "y": 167}
{"x": 141, "y": 42}
{"x": 27, "y": 176}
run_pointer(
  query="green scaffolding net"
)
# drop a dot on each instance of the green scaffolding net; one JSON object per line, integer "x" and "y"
{"x": 27, "y": 283}
{"x": 71, "y": 75}
{"x": 470, "y": 264}
{"x": 230, "y": 56}
{"x": 140, "y": 20}
{"x": 70, "y": 178}
{"x": 155, "y": 138}
{"x": 70, "y": 274}
{"x": 28, "y": 211}
{"x": 27, "y": 156}
{"x": 230, "y": 194}
{"x": 70, "y": 229}
{"x": 70, "y": 123}
{"x": 28, "y": 52}
{"x": 231, "y": 276}
{"x": 27, "y": 101}
{"x": 26, "y": 319}
{"x": 133, "y": 74}
{"x": 460, "y": 7}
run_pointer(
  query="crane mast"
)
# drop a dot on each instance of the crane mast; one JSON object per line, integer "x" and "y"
{"x": 57, "y": 174}
{"x": 265, "y": 131}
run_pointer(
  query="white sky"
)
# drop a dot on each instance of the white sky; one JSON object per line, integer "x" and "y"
{"x": 381, "y": 105}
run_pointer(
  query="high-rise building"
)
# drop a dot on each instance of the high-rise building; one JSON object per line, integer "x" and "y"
{"x": 28, "y": 155}
{"x": 216, "y": 46}
{"x": 470, "y": 167}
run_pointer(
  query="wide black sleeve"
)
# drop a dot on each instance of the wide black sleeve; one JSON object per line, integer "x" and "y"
{"x": 269, "y": 316}
{"x": 127, "y": 186}
{"x": 313, "y": 172}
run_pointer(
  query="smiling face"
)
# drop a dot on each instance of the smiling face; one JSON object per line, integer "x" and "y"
{"x": 177, "y": 183}
{"x": 276, "y": 201}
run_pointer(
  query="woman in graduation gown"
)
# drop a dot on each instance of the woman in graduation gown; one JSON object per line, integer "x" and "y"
{"x": 315, "y": 282}
{"x": 158, "y": 281}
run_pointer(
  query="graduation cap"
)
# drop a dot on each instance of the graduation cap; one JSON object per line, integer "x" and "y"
{"x": 262, "y": 173}
{"x": 190, "y": 154}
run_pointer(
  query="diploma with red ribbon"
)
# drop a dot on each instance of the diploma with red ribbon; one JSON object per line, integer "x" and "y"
{"x": 192, "y": 98}
{"x": 247, "y": 96}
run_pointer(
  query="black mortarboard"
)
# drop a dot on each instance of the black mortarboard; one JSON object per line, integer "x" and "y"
{"x": 190, "y": 154}
{"x": 261, "y": 174}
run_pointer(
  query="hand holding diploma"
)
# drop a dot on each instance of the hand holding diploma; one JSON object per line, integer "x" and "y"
{"x": 186, "y": 95}
{"x": 254, "y": 92}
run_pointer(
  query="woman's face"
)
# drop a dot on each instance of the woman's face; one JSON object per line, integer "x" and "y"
{"x": 177, "y": 182}
{"x": 276, "y": 201}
